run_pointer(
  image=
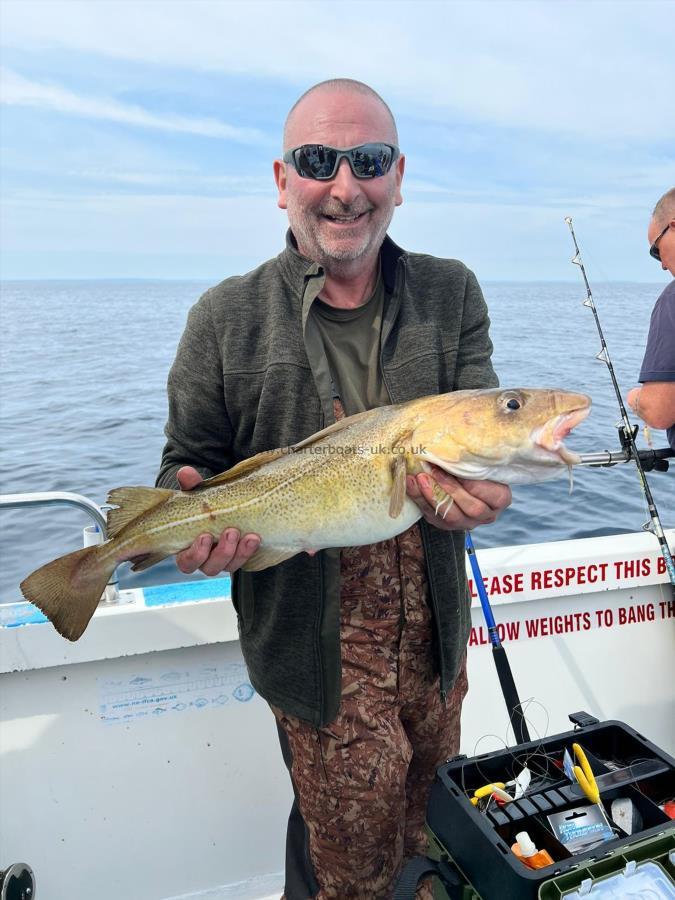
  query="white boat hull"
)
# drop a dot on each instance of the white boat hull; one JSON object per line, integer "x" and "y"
{"x": 138, "y": 762}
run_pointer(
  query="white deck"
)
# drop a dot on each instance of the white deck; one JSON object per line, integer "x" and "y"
{"x": 138, "y": 763}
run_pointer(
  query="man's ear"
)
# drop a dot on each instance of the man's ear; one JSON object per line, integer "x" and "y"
{"x": 400, "y": 168}
{"x": 280, "y": 175}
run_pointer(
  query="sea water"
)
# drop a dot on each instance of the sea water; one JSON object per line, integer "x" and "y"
{"x": 83, "y": 405}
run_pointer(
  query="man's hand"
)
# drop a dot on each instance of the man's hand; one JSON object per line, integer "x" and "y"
{"x": 228, "y": 555}
{"x": 475, "y": 502}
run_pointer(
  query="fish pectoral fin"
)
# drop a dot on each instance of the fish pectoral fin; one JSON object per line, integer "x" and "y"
{"x": 245, "y": 467}
{"x": 401, "y": 466}
{"x": 133, "y": 502}
{"x": 265, "y": 557}
{"x": 398, "y": 491}
{"x": 141, "y": 563}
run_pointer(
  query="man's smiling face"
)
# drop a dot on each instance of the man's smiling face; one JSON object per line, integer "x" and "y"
{"x": 345, "y": 219}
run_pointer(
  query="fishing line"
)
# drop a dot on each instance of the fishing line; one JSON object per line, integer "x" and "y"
{"x": 627, "y": 432}
{"x": 518, "y": 761}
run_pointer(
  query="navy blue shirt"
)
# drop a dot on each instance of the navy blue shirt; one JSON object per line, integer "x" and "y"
{"x": 659, "y": 360}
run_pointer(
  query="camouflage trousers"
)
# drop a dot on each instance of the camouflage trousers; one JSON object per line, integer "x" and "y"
{"x": 362, "y": 782}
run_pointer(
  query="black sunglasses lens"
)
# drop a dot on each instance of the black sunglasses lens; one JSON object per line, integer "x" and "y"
{"x": 654, "y": 251}
{"x": 371, "y": 160}
{"x": 315, "y": 161}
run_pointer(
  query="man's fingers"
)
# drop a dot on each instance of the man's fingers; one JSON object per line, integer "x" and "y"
{"x": 227, "y": 555}
{"x": 191, "y": 559}
{"x": 231, "y": 552}
{"x": 188, "y": 478}
{"x": 245, "y": 549}
{"x": 495, "y": 495}
{"x": 477, "y": 499}
{"x": 474, "y": 502}
{"x": 465, "y": 505}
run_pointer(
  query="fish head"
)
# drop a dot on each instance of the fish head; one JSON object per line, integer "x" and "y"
{"x": 509, "y": 435}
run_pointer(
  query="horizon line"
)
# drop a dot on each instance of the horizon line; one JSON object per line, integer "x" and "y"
{"x": 210, "y": 279}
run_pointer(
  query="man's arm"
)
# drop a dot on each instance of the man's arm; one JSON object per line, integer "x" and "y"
{"x": 474, "y": 502}
{"x": 199, "y": 435}
{"x": 654, "y": 402}
{"x": 198, "y": 430}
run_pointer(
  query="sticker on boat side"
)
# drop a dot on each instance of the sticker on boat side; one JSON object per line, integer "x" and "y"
{"x": 154, "y": 695}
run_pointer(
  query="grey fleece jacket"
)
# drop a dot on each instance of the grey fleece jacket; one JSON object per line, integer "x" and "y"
{"x": 247, "y": 377}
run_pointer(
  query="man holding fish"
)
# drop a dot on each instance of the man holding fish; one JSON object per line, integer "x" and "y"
{"x": 337, "y": 389}
{"x": 344, "y": 646}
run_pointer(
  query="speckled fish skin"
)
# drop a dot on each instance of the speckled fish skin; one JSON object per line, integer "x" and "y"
{"x": 344, "y": 486}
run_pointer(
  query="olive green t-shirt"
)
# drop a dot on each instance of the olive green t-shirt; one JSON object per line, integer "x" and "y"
{"x": 351, "y": 340}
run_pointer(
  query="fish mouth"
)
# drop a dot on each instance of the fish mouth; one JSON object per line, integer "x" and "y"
{"x": 551, "y": 435}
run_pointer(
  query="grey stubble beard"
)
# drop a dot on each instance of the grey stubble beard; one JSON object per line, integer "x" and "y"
{"x": 340, "y": 261}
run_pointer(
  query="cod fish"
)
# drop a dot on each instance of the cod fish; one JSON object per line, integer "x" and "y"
{"x": 343, "y": 486}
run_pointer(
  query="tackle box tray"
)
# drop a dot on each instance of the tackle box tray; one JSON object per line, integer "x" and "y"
{"x": 619, "y": 874}
{"x": 479, "y": 842}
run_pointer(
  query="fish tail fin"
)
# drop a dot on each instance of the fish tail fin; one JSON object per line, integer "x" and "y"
{"x": 68, "y": 589}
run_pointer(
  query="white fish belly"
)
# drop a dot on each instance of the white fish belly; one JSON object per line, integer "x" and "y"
{"x": 373, "y": 526}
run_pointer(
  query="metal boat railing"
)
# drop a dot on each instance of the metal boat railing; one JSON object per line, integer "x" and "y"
{"x": 92, "y": 534}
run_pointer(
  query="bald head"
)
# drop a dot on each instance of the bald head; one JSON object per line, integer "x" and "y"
{"x": 664, "y": 210}
{"x": 335, "y": 99}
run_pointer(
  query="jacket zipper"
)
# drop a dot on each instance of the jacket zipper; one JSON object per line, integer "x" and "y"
{"x": 400, "y": 267}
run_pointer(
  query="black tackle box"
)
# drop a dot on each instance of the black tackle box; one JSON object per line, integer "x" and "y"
{"x": 478, "y": 841}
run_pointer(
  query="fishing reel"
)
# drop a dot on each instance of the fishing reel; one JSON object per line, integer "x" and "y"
{"x": 17, "y": 882}
{"x": 652, "y": 460}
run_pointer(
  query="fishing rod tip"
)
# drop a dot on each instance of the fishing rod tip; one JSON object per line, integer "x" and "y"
{"x": 568, "y": 219}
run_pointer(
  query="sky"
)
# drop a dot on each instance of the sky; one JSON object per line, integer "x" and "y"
{"x": 137, "y": 138}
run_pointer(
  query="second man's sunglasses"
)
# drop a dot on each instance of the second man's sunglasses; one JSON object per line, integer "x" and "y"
{"x": 654, "y": 251}
{"x": 321, "y": 162}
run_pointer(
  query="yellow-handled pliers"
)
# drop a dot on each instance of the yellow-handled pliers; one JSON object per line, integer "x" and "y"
{"x": 496, "y": 788}
{"x": 584, "y": 775}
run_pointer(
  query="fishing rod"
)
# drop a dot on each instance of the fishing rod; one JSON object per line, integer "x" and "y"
{"x": 627, "y": 432}
{"x": 652, "y": 460}
{"x": 508, "y": 685}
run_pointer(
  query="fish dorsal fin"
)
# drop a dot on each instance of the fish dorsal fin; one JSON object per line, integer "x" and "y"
{"x": 341, "y": 425}
{"x": 245, "y": 467}
{"x": 133, "y": 502}
{"x": 266, "y": 557}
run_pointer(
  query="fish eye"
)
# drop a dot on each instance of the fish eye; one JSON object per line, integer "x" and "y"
{"x": 512, "y": 403}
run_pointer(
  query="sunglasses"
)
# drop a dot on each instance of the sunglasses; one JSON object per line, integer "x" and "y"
{"x": 320, "y": 162}
{"x": 654, "y": 250}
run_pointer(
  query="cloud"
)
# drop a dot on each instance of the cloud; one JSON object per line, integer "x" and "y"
{"x": 555, "y": 67}
{"x": 20, "y": 91}
{"x": 155, "y": 222}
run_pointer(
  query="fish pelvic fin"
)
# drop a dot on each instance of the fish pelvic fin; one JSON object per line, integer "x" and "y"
{"x": 443, "y": 499}
{"x": 68, "y": 589}
{"x": 132, "y": 502}
{"x": 266, "y": 557}
{"x": 141, "y": 563}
